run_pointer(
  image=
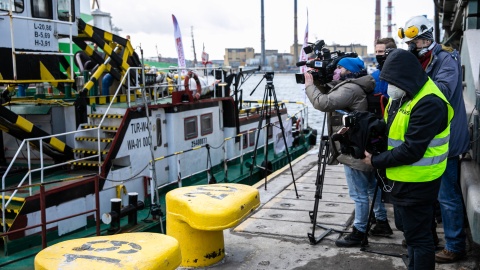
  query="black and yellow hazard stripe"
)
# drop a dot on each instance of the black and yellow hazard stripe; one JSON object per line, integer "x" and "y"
{"x": 94, "y": 139}
{"x": 115, "y": 116}
{"x": 106, "y": 128}
{"x": 33, "y": 130}
{"x": 107, "y": 99}
{"x": 86, "y": 163}
{"x": 180, "y": 152}
{"x": 250, "y": 110}
{"x": 89, "y": 151}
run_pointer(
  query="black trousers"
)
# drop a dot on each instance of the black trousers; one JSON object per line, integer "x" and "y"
{"x": 416, "y": 224}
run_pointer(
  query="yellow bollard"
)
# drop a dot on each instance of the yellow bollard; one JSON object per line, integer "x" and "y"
{"x": 197, "y": 216}
{"x": 120, "y": 251}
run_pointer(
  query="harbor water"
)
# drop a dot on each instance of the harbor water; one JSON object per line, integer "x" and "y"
{"x": 286, "y": 88}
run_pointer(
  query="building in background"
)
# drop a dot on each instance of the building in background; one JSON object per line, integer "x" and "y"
{"x": 238, "y": 56}
{"x": 276, "y": 61}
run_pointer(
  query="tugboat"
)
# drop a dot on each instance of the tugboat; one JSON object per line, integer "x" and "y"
{"x": 75, "y": 162}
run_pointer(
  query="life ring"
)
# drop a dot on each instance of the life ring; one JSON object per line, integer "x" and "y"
{"x": 187, "y": 83}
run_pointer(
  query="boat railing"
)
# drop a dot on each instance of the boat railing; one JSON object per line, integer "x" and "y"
{"x": 42, "y": 166}
{"x": 303, "y": 112}
{"x": 19, "y": 52}
{"x": 208, "y": 73}
{"x": 43, "y": 216}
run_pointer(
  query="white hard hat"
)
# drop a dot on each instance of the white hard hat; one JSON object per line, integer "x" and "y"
{"x": 415, "y": 27}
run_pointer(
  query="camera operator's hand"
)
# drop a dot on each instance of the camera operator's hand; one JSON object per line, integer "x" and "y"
{"x": 368, "y": 158}
{"x": 308, "y": 79}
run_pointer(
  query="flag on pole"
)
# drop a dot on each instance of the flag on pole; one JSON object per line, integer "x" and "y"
{"x": 179, "y": 45}
{"x": 205, "y": 56}
{"x": 304, "y": 57}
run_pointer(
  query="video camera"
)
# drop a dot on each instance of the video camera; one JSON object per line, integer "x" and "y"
{"x": 362, "y": 131}
{"x": 323, "y": 65}
{"x": 269, "y": 77}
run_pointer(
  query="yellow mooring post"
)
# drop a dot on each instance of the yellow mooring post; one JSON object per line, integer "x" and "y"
{"x": 119, "y": 251}
{"x": 197, "y": 216}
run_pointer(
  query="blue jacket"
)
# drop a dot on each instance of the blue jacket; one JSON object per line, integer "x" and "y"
{"x": 445, "y": 70}
{"x": 380, "y": 85}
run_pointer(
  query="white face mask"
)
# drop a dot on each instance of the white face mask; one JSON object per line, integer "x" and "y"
{"x": 395, "y": 92}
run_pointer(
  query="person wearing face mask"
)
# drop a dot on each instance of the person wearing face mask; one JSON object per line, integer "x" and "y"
{"x": 381, "y": 46}
{"x": 442, "y": 64}
{"x": 418, "y": 120}
{"x": 349, "y": 94}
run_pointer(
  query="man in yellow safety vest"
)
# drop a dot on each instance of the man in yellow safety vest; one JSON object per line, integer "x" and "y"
{"x": 418, "y": 120}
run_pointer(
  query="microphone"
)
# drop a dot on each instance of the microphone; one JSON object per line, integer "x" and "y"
{"x": 301, "y": 63}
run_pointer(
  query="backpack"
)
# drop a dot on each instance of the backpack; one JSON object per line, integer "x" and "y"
{"x": 376, "y": 103}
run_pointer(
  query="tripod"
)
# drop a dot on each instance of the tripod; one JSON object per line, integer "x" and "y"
{"x": 269, "y": 98}
{"x": 323, "y": 153}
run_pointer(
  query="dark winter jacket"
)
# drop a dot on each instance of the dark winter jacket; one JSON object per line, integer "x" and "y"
{"x": 446, "y": 72}
{"x": 349, "y": 95}
{"x": 427, "y": 119}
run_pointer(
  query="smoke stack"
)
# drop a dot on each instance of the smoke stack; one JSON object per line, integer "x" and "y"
{"x": 378, "y": 19}
{"x": 389, "y": 18}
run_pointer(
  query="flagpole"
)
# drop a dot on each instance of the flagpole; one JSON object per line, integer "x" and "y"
{"x": 304, "y": 57}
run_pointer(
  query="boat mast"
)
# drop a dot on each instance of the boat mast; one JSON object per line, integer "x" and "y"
{"x": 194, "y": 53}
{"x": 93, "y": 4}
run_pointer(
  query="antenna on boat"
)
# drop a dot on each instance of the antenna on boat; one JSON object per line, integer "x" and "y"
{"x": 194, "y": 53}
{"x": 93, "y": 4}
{"x": 153, "y": 205}
{"x": 269, "y": 101}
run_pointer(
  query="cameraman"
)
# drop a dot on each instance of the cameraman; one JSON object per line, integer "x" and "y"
{"x": 418, "y": 126}
{"x": 349, "y": 94}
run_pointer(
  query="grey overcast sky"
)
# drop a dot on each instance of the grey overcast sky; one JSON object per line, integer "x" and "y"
{"x": 220, "y": 24}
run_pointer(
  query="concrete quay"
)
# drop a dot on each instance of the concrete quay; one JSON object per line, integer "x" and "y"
{"x": 275, "y": 235}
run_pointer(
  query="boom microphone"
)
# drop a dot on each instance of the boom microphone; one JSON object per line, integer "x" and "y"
{"x": 301, "y": 63}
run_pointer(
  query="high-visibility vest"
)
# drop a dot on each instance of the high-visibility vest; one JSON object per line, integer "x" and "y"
{"x": 434, "y": 161}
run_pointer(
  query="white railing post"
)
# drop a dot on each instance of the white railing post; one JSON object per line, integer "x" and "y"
{"x": 225, "y": 160}
{"x": 179, "y": 173}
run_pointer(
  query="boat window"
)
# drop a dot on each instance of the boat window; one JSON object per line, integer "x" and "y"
{"x": 206, "y": 121}
{"x": 251, "y": 138}
{"x": 18, "y": 5}
{"x": 63, "y": 8}
{"x": 159, "y": 132}
{"x": 245, "y": 140}
{"x": 41, "y": 9}
{"x": 190, "y": 127}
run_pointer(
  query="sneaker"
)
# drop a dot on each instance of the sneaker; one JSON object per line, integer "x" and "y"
{"x": 382, "y": 228}
{"x": 446, "y": 256}
{"x": 353, "y": 239}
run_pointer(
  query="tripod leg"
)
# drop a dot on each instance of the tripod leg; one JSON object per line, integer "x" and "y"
{"x": 370, "y": 213}
{"x": 259, "y": 128}
{"x": 323, "y": 153}
{"x": 277, "y": 109}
